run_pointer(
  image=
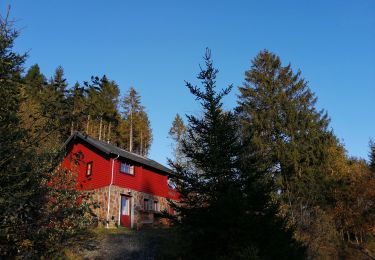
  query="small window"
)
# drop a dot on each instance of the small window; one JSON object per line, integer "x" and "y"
{"x": 126, "y": 168}
{"x": 145, "y": 204}
{"x": 88, "y": 169}
{"x": 156, "y": 205}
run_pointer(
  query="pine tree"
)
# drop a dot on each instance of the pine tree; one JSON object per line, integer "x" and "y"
{"x": 223, "y": 212}
{"x": 144, "y": 134}
{"x": 35, "y": 81}
{"x": 102, "y": 102}
{"x": 10, "y": 94}
{"x": 211, "y": 146}
{"x": 372, "y": 156}
{"x": 31, "y": 112}
{"x": 177, "y": 133}
{"x": 56, "y": 107}
{"x": 135, "y": 129}
{"x": 28, "y": 227}
{"x": 77, "y": 107}
{"x": 132, "y": 106}
{"x": 290, "y": 140}
{"x": 18, "y": 191}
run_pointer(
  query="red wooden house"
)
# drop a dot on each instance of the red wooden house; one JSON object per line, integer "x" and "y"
{"x": 130, "y": 189}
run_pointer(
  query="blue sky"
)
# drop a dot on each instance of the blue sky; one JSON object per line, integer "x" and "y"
{"x": 156, "y": 45}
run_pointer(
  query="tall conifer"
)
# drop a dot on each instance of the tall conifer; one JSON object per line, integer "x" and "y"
{"x": 372, "y": 156}
{"x": 290, "y": 141}
{"x": 177, "y": 133}
{"x": 225, "y": 210}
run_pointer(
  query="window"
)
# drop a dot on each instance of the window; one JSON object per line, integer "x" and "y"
{"x": 171, "y": 184}
{"x": 126, "y": 168}
{"x": 88, "y": 169}
{"x": 156, "y": 205}
{"x": 145, "y": 204}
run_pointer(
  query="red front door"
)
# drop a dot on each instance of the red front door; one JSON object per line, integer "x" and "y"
{"x": 125, "y": 211}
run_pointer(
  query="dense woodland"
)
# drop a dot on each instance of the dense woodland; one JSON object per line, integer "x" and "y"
{"x": 93, "y": 108}
{"x": 268, "y": 180}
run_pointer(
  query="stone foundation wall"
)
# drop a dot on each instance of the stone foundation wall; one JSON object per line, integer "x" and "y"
{"x": 140, "y": 216}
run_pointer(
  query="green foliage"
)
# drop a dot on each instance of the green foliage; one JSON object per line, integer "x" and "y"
{"x": 34, "y": 81}
{"x": 289, "y": 141}
{"x": 68, "y": 212}
{"x": 225, "y": 209}
{"x": 136, "y": 128}
{"x": 30, "y": 225}
{"x": 372, "y": 156}
{"x": 177, "y": 133}
{"x": 282, "y": 126}
{"x": 284, "y": 134}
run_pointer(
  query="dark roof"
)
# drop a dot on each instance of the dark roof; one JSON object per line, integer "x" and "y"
{"x": 111, "y": 149}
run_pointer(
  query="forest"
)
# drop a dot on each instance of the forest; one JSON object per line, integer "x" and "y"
{"x": 266, "y": 180}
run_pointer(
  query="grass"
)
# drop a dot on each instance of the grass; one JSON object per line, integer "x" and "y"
{"x": 102, "y": 231}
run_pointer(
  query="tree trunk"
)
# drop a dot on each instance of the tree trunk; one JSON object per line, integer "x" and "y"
{"x": 72, "y": 128}
{"x": 109, "y": 132}
{"x": 104, "y": 131}
{"x": 100, "y": 128}
{"x": 131, "y": 133}
{"x": 88, "y": 124}
{"x": 141, "y": 150}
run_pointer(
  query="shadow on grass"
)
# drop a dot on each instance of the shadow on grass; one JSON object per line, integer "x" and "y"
{"x": 122, "y": 243}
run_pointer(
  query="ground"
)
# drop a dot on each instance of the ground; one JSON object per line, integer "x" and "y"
{"x": 122, "y": 243}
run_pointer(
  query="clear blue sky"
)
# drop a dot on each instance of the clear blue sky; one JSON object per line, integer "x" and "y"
{"x": 156, "y": 45}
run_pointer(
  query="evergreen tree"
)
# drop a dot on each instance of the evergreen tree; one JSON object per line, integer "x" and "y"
{"x": 55, "y": 106}
{"x": 35, "y": 81}
{"x": 19, "y": 192}
{"x": 144, "y": 134}
{"x": 220, "y": 215}
{"x": 77, "y": 107}
{"x": 177, "y": 133}
{"x": 29, "y": 228}
{"x": 102, "y": 102}
{"x": 135, "y": 128}
{"x": 290, "y": 140}
{"x": 31, "y": 112}
{"x": 132, "y": 106}
{"x": 372, "y": 156}
{"x": 10, "y": 94}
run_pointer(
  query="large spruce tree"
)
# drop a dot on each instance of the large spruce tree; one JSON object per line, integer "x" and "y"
{"x": 225, "y": 211}
{"x": 290, "y": 139}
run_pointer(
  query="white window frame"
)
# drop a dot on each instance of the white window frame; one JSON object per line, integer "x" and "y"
{"x": 157, "y": 208}
{"x": 146, "y": 204}
{"x": 126, "y": 166}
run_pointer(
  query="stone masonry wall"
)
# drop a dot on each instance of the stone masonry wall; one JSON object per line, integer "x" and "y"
{"x": 140, "y": 216}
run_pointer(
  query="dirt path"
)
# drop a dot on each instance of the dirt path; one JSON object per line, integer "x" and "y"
{"x": 122, "y": 244}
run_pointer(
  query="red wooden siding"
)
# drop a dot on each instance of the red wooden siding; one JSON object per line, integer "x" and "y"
{"x": 145, "y": 179}
{"x": 101, "y": 167}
